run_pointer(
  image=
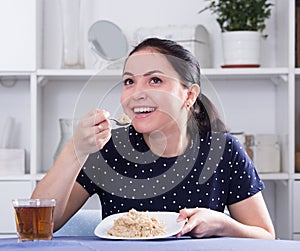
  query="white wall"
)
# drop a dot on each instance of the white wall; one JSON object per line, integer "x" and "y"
{"x": 132, "y": 14}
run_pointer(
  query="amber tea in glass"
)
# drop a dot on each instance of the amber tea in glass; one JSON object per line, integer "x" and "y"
{"x": 34, "y": 218}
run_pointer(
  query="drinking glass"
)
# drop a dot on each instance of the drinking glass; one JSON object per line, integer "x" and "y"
{"x": 34, "y": 218}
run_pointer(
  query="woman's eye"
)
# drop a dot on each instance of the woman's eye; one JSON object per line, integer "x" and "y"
{"x": 155, "y": 80}
{"x": 128, "y": 81}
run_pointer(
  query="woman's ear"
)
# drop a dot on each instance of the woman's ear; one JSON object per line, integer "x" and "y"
{"x": 192, "y": 95}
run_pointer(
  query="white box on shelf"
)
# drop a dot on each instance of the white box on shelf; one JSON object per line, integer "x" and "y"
{"x": 12, "y": 161}
{"x": 194, "y": 38}
{"x": 266, "y": 153}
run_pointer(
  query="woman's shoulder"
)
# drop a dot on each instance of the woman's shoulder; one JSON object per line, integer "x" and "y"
{"x": 219, "y": 136}
{"x": 221, "y": 142}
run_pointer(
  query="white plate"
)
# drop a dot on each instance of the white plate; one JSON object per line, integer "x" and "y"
{"x": 172, "y": 227}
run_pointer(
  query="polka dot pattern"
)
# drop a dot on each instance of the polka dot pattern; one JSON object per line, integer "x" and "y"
{"x": 176, "y": 182}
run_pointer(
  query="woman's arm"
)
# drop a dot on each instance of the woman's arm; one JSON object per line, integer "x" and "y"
{"x": 252, "y": 217}
{"x": 249, "y": 219}
{"x": 60, "y": 181}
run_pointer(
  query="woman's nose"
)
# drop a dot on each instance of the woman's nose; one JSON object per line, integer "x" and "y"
{"x": 139, "y": 92}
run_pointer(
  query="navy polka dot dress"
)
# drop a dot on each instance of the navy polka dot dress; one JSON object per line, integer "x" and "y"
{"x": 214, "y": 171}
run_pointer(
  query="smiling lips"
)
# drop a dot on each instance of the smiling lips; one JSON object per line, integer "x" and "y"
{"x": 143, "y": 110}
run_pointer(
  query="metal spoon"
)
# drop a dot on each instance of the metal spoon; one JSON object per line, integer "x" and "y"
{"x": 119, "y": 123}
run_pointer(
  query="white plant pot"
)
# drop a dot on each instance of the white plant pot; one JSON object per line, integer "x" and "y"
{"x": 241, "y": 48}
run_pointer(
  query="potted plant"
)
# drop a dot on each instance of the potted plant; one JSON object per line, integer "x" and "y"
{"x": 242, "y": 23}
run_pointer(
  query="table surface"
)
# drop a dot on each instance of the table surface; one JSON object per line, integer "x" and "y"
{"x": 172, "y": 244}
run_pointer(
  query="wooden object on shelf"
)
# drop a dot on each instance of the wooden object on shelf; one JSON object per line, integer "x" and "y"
{"x": 297, "y": 162}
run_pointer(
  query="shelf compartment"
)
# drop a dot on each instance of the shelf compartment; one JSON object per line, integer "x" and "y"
{"x": 80, "y": 74}
{"x": 274, "y": 176}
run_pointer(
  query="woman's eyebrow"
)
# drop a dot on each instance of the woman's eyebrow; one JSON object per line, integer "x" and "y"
{"x": 152, "y": 72}
{"x": 127, "y": 73}
{"x": 146, "y": 74}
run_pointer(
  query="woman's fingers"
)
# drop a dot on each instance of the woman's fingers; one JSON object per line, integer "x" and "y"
{"x": 101, "y": 116}
{"x": 192, "y": 221}
{"x": 102, "y": 126}
{"x": 189, "y": 225}
{"x": 92, "y": 132}
{"x": 186, "y": 213}
{"x": 95, "y": 117}
{"x": 202, "y": 222}
{"x": 103, "y": 138}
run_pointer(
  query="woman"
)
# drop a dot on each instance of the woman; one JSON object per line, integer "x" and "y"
{"x": 175, "y": 156}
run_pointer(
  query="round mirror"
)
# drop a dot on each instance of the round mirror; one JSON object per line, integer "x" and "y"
{"x": 107, "y": 40}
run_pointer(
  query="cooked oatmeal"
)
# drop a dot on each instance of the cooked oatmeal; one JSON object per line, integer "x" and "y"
{"x": 136, "y": 224}
{"x": 124, "y": 119}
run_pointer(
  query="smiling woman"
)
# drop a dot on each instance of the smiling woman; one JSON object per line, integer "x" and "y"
{"x": 175, "y": 156}
{"x": 153, "y": 94}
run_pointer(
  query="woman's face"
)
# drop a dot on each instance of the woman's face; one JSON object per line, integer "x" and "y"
{"x": 153, "y": 96}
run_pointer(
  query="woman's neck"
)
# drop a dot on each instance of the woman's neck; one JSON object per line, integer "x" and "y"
{"x": 167, "y": 145}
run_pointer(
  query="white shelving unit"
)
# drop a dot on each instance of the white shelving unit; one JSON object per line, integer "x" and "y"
{"x": 260, "y": 100}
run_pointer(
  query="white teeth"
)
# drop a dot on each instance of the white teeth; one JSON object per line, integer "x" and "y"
{"x": 143, "y": 109}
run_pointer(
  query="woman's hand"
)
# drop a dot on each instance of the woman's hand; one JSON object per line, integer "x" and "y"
{"x": 249, "y": 219}
{"x": 91, "y": 133}
{"x": 201, "y": 222}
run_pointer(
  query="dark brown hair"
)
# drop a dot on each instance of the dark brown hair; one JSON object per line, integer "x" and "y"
{"x": 205, "y": 117}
